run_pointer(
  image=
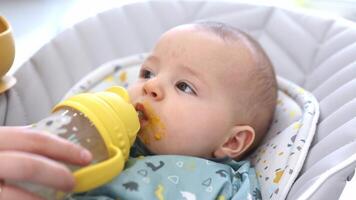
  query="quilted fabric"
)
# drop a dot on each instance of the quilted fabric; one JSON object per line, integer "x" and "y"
{"x": 280, "y": 156}
{"x": 316, "y": 52}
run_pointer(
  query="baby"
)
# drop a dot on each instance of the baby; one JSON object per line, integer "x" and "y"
{"x": 207, "y": 92}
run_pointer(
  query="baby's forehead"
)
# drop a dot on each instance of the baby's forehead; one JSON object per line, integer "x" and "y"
{"x": 200, "y": 42}
{"x": 225, "y": 60}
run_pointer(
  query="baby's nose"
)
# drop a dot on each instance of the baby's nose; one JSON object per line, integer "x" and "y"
{"x": 153, "y": 90}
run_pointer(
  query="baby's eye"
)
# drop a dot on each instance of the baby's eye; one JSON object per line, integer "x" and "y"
{"x": 146, "y": 74}
{"x": 185, "y": 87}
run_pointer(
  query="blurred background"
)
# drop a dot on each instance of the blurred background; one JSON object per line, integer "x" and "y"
{"x": 35, "y": 22}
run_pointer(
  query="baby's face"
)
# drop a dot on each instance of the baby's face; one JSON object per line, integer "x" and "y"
{"x": 185, "y": 92}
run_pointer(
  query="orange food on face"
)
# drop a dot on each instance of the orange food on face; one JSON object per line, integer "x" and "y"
{"x": 151, "y": 125}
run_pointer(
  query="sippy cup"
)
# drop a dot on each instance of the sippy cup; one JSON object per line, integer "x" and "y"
{"x": 103, "y": 122}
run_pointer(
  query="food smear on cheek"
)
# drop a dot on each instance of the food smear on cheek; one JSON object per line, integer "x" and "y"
{"x": 154, "y": 128}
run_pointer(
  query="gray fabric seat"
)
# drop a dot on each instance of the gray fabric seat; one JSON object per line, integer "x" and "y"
{"x": 317, "y": 53}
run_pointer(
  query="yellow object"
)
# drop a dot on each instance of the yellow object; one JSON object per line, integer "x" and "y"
{"x": 7, "y": 55}
{"x": 123, "y": 76}
{"x": 117, "y": 122}
{"x": 221, "y": 197}
{"x": 278, "y": 176}
{"x": 159, "y": 192}
{"x": 297, "y": 125}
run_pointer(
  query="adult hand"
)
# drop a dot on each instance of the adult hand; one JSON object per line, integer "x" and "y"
{"x": 29, "y": 155}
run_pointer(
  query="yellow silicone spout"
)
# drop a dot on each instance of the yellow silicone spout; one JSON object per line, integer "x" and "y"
{"x": 117, "y": 122}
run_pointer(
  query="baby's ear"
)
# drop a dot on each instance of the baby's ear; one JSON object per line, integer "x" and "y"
{"x": 239, "y": 140}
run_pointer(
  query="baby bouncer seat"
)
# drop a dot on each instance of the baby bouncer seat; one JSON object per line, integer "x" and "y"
{"x": 314, "y": 52}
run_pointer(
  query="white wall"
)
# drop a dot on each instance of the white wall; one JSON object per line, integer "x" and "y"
{"x": 35, "y": 22}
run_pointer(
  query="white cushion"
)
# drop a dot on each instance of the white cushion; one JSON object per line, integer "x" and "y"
{"x": 280, "y": 157}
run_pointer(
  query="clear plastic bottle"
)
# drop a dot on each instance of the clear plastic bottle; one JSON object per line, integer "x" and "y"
{"x": 74, "y": 126}
{"x": 105, "y": 123}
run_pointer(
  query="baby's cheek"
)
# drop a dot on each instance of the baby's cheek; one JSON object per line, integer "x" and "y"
{"x": 133, "y": 93}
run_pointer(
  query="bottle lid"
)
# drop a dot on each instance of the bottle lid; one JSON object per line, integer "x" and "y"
{"x": 117, "y": 122}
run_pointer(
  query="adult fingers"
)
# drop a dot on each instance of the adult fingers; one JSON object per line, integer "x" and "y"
{"x": 21, "y": 166}
{"x": 11, "y": 192}
{"x": 46, "y": 144}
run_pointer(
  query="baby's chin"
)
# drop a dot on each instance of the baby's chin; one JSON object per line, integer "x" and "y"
{"x": 149, "y": 139}
{"x": 158, "y": 148}
{"x": 151, "y": 146}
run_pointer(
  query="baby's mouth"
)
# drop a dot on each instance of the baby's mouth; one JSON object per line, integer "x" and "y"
{"x": 142, "y": 114}
{"x": 151, "y": 125}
